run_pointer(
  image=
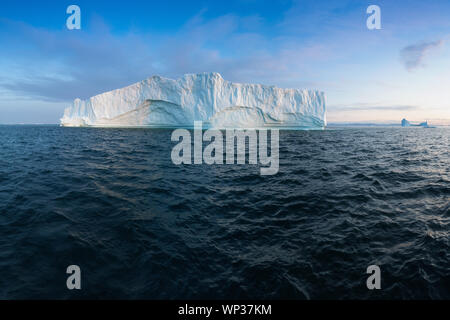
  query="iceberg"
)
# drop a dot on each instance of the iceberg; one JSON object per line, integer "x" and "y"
{"x": 207, "y": 97}
{"x": 406, "y": 123}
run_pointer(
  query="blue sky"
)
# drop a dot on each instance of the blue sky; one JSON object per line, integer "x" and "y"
{"x": 382, "y": 75}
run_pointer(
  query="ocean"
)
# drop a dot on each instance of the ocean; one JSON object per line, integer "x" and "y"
{"x": 139, "y": 227}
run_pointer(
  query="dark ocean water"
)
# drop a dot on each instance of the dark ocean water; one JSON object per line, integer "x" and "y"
{"x": 112, "y": 202}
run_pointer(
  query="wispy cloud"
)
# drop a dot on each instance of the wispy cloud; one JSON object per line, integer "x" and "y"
{"x": 61, "y": 65}
{"x": 368, "y": 107}
{"x": 413, "y": 56}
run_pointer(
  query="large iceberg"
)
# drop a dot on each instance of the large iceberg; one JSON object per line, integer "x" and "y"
{"x": 206, "y": 97}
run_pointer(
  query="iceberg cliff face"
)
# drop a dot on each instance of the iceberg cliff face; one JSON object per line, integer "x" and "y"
{"x": 207, "y": 97}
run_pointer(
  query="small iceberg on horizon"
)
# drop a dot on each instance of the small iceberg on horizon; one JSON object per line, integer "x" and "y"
{"x": 406, "y": 123}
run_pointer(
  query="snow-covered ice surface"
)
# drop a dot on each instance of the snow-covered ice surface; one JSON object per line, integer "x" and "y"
{"x": 207, "y": 97}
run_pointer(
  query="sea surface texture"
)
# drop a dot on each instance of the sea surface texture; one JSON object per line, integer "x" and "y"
{"x": 112, "y": 202}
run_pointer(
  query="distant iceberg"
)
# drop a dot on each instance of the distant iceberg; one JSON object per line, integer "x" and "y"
{"x": 406, "y": 123}
{"x": 207, "y": 97}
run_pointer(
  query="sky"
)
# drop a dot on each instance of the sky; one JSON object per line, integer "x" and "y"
{"x": 399, "y": 71}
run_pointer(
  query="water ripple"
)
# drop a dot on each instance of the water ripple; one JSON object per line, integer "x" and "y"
{"x": 111, "y": 201}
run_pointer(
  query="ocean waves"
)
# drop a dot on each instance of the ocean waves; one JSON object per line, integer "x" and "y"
{"x": 112, "y": 202}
